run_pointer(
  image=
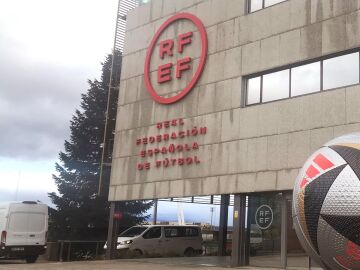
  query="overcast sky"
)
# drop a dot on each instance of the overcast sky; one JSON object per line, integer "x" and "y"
{"x": 48, "y": 51}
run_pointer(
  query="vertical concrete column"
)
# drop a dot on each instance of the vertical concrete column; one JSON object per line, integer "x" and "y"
{"x": 250, "y": 213}
{"x": 112, "y": 233}
{"x": 155, "y": 211}
{"x": 239, "y": 232}
{"x": 224, "y": 209}
{"x": 284, "y": 226}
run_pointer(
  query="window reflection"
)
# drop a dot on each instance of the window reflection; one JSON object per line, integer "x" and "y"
{"x": 276, "y": 85}
{"x": 253, "y": 90}
{"x": 340, "y": 71}
{"x": 255, "y": 5}
{"x": 272, "y": 2}
{"x": 305, "y": 79}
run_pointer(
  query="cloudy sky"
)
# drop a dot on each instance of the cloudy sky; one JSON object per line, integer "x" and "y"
{"x": 48, "y": 51}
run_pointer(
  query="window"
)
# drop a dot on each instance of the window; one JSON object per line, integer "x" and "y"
{"x": 255, "y": 5}
{"x": 133, "y": 231}
{"x": 152, "y": 233}
{"x": 181, "y": 232}
{"x": 275, "y": 86}
{"x": 305, "y": 79}
{"x": 325, "y": 74}
{"x": 341, "y": 70}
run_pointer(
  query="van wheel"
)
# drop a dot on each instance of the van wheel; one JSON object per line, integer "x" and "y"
{"x": 31, "y": 259}
{"x": 189, "y": 252}
{"x": 137, "y": 252}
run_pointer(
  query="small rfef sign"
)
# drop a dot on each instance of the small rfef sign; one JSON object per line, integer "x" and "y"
{"x": 264, "y": 217}
{"x": 174, "y": 62}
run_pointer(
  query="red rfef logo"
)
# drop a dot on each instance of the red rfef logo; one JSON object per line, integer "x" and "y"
{"x": 174, "y": 62}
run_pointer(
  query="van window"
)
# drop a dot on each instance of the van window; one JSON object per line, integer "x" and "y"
{"x": 152, "y": 233}
{"x": 133, "y": 231}
{"x": 181, "y": 232}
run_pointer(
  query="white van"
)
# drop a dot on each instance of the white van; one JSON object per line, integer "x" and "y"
{"x": 23, "y": 228}
{"x": 185, "y": 240}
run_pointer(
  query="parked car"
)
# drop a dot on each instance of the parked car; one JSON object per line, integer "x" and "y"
{"x": 162, "y": 240}
{"x": 23, "y": 228}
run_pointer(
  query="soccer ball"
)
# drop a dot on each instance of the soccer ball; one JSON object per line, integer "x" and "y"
{"x": 326, "y": 204}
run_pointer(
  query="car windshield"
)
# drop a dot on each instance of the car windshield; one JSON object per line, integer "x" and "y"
{"x": 133, "y": 231}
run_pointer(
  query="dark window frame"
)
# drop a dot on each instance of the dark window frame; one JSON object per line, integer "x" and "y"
{"x": 290, "y": 67}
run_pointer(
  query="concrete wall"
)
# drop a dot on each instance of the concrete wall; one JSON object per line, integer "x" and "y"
{"x": 257, "y": 148}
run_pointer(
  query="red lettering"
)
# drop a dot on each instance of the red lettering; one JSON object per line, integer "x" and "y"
{"x": 156, "y": 151}
{"x": 138, "y": 141}
{"x": 173, "y": 135}
{"x": 166, "y": 47}
{"x": 158, "y": 163}
{"x": 184, "y": 39}
{"x": 143, "y": 153}
{"x": 181, "y": 134}
{"x": 167, "y": 124}
{"x": 150, "y": 152}
{"x": 140, "y": 167}
{"x": 181, "y": 122}
{"x": 158, "y": 138}
{"x": 159, "y": 125}
{"x": 186, "y": 147}
{"x": 189, "y": 160}
{"x": 173, "y": 122}
{"x": 181, "y": 161}
{"x": 196, "y": 160}
{"x": 166, "y": 137}
{"x": 164, "y": 73}
{"x": 147, "y": 165}
{"x": 145, "y": 140}
{"x": 173, "y": 161}
{"x": 203, "y": 130}
{"x": 182, "y": 65}
{"x": 195, "y": 146}
{"x": 151, "y": 139}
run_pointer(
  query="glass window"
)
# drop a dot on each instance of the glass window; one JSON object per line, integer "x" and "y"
{"x": 133, "y": 231}
{"x": 255, "y": 5}
{"x": 269, "y": 3}
{"x": 276, "y": 85}
{"x": 171, "y": 232}
{"x": 154, "y": 232}
{"x": 253, "y": 91}
{"x": 305, "y": 79}
{"x": 341, "y": 71}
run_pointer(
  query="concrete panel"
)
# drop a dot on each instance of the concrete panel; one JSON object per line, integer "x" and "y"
{"x": 206, "y": 101}
{"x": 156, "y": 9}
{"x": 280, "y": 17}
{"x": 298, "y": 148}
{"x": 270, "y": 52}
{"x": 228, "y": 184}
{"x": 265, "y": 181}
{"x": 334, "y": 35}
{"x": 353, "y": 29}
{"x": 277, "y": 154}
{"x": 225, "y": 35}
{"x": 268, "y": 115}
{"x": 352, "y": 104}
{"x": 249, "y": 122}
{"x": 286, "y": 179}
{"x": 251, "y": 62}
{"x": 193, "y": 186}
{"x": 232, "y": 68}
{"x": 177, "y": 189}
{"x": 162, "y": 189}
{"x": 311, "y": 41}
{"x": 333, "y": 108}
{"x": 223, "y": 95}
{"x": 300, "y": 13}
{"x": 211, "y": 185}
{"x": 289, "y": 47}
{"x": 318, "y": 137}
{"x": 246, "y": 182}
{"x": 230, "y": 125}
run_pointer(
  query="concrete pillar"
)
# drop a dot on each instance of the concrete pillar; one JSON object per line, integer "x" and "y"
{"x": 155, "y": 211}
{"x": 112, "y": 233}
{"x": 224, "y": 208}
{"x": 239, "y": 232}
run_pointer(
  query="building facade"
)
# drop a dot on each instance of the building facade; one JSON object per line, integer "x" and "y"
{"x": 231, "y": 97}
